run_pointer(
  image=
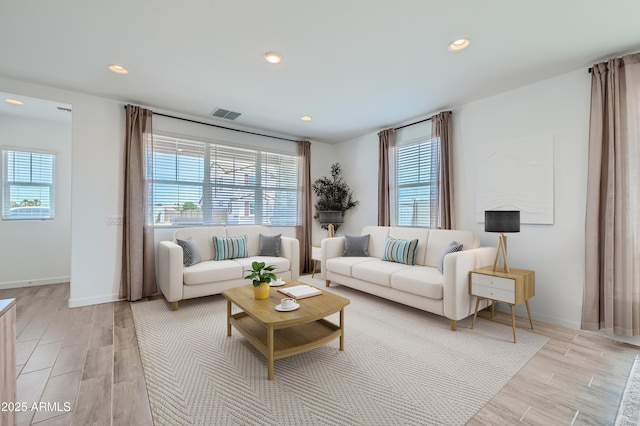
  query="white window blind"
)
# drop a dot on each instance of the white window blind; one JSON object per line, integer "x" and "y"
{"x": 28, "y": 182}
{"x": 415, "y": 183}
{"x": 193, "y": 183}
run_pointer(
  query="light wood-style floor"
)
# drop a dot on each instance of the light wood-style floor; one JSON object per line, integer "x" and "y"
{"x": 88, "y": 358}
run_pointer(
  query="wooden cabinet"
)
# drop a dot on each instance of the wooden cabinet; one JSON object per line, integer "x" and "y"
{"x": 512, "y": 288}
{"x": 7, "y": 359}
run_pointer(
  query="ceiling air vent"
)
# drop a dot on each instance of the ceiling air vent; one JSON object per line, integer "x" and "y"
{"x": 226, "y": 114}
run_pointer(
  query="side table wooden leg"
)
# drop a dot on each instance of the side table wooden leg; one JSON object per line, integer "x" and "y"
{"x": 529, "y": 313}
{"x": 270, "y": 348}
{"x": 475, "y": 314}
{"x": 513, "y": 323}
{"x": 228, "y": 317}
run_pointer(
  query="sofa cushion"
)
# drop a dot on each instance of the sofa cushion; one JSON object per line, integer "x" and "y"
{"x": 356, "y": 245}
{"x": 378, "y": 234}
{"x": 190, "y": 252}
{"x": 377, "y": 271}
{"x": 230, "y": 247}
{"x": 400, "y": 251}
{"x": 344, "y": 265}
{"x": 419, "y": 280}
{"x": 212, "y": 271}
{"x": 270, "y": 245}
{"x": 453, "y": 247}
{"x": 282, "y": 264}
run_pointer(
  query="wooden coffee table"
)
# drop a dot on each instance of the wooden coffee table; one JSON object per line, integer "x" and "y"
{"x": 282, "y": 334}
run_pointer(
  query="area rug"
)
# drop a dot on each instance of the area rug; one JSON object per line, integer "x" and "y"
{"x": 629, "y": 411}
{"x": 400, "y": 366}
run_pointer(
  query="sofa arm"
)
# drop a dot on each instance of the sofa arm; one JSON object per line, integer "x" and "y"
{"x": 456, "y": 298}
{"x": 170, "y": 268}
{"x": 290, "y": 249}
{"x": 330, "y": 247}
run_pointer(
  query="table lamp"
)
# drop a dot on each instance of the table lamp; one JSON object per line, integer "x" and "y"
{"x": 502, "y": 221}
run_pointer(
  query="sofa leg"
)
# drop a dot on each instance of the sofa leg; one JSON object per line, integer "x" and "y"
{"x": 327, "y": 282}
{"x": 174, "y": 306}
{"x": 454, "y": 325}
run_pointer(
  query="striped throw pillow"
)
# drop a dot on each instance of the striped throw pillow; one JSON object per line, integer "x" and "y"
{"x": 400, "y": 251}
{"x": 230, "y": 247}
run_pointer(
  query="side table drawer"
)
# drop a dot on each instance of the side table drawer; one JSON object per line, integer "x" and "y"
{"x": 507, "y": 296}
{"x": 495, "y": 282}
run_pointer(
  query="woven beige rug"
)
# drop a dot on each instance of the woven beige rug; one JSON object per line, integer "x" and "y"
{"x": 629, "y": 410}
{"x": 400, "y": 366}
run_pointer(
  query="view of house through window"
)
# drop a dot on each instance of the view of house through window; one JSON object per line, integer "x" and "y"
{"x": 415, "y": 183}
{"x": 28, "y": 179}
{"x": 198, "y": 183}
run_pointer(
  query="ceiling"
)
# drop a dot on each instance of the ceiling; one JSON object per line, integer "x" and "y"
{"x": 354, "y": 66}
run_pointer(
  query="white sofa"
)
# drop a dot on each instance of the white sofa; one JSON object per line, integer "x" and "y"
{"x": 178, "y": 282}
{"x": 422, "y": 285}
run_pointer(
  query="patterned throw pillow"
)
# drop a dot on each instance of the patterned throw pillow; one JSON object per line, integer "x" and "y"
{"x": 230, "y": 247}
{"x": 190, "y": 252}
{"x": 270, "y": 245}
{"x": 451, "y": 248}
{"x": 400, "y": 251}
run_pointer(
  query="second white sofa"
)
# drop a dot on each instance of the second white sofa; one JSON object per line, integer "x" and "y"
{"x": 209, "y": 276}
{"x": 421, "y": 285}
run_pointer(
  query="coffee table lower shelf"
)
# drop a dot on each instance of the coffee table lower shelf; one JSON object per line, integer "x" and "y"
{"x": 287, "y": 341}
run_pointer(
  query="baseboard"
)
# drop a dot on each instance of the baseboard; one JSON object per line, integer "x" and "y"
{"x": 33, "y": 283}
{"x": 86, "y": 301}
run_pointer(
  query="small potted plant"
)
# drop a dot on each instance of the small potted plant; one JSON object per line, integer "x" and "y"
{"x": 261, "y": 276}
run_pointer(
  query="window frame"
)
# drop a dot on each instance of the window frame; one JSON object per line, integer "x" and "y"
{"x": 8, "y": 183}
{"x": 423, "y": 220}
{"x": 242, "y": 211}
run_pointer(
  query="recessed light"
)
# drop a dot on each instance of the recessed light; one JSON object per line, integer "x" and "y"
{"x": 118, "y": 69}
{"x": 273, "y": 57}
{"x": 305, "y": 118}
{"x": 459, "y": 44}
{"x": 14, "y": 101}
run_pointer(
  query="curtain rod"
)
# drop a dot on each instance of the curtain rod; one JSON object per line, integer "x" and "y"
{"x": 417, "y": 122}
{"x": 221, "y": 127}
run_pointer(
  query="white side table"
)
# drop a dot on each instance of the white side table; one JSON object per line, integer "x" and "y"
{"x": 511, "y": 288}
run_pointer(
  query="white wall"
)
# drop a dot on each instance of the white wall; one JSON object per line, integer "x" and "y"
{"x": 96, "y": 184}
{"x": 558, "y": 107}
{"x": 36, "y": 252}
{"x": 96, "y": 169}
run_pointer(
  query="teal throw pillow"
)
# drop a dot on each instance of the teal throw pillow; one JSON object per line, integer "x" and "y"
{"x": 400, "y": 251}
{"x": 230, "y": 247}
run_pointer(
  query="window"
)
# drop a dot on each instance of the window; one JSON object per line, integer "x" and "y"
{"x": 197, "y": 183}
{"x": 27, "y": 184}
{"x": 415, "y": 183}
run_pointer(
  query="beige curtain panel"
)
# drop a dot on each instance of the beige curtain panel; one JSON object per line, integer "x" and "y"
{"x": 387, "y": 142}
{"x": 138, "y": 254}
{"x": 611, "y": 298}
{"x": 442, "y": 213}
{"x": 305, "y": 219}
